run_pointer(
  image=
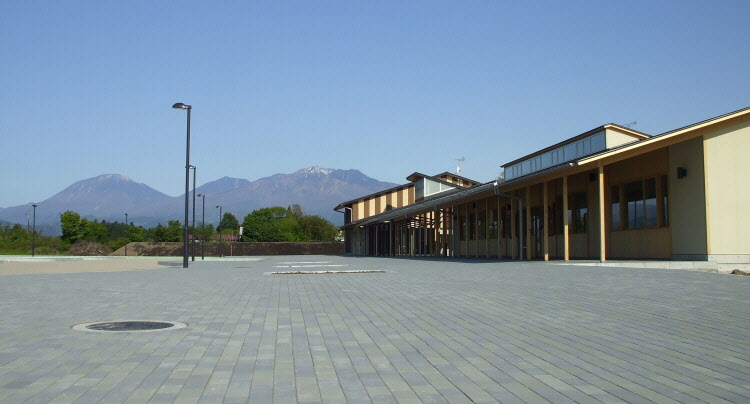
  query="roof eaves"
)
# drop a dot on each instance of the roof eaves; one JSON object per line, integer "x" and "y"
{"x": 665, "y": 135}
{"x": 424, "y": 204}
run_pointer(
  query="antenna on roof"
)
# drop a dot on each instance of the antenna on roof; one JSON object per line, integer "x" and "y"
{"x": 458, "y": 169}
{"x": 631, "y": 124}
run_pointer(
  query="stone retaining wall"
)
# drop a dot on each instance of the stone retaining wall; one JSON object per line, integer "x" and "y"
{"x": 234, "y": 249}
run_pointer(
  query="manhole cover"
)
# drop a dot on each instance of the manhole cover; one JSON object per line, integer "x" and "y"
{"x": 129, "y": 326}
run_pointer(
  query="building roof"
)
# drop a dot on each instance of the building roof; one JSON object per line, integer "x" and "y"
{"x": 374, "y": 194}
{"x": 667, "y": 135}
{"x": 425, "y": 204}
{"x": 637, "y": 135}
{"x": 456, "y": 176}
{"x": 415, "y": 176}
{"x": 630, "y": 146}
{"x": 412, "y": 177}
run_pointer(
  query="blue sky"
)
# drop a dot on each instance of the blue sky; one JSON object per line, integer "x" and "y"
{"x": 386, "y": 87}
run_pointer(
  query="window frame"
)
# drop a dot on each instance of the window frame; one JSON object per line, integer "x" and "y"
{"x": 661, "y": 183}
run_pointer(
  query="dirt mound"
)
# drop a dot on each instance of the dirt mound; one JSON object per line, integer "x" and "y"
{"x": 88, "y": 248}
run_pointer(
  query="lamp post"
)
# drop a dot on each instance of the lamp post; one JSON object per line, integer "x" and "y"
{"x": 203, "y": 226}
{"x": 195, "y": 169}
{"x": 180, "y": 105}
{"x": 33, "y": 232}
{"x": 126, "y": 234}
{"x": 219, "y": 228}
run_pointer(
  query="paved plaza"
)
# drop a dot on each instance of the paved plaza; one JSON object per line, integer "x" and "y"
{"x": 422, "y": 331}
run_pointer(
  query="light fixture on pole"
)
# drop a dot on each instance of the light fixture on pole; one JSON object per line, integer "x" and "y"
{"x": 33, "y": 232}
{"x": 180, "y": 105}
{"x": 219, "y": 229}
{"x": 195, "y": 169}
{"x": 203, "y": 227}
{"x": 126, "y": 234}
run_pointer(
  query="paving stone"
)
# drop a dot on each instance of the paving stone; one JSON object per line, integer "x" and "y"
{"x": 425, "y": 331}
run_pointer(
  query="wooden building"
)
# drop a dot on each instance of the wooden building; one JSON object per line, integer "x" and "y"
{"x": 608, "y": 193}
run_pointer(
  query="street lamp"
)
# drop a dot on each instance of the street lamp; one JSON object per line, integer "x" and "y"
{"x": 180, "y": 105}
{"x": 203, "y": 226}
{"x": 219, "y": 228}
{"x": 193, "y": 241}
{"x": 33, "y": 232}
{"x": 126, "y": 234}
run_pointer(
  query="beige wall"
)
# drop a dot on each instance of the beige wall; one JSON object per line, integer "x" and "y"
{"x": 616, "y": 138}
{"x": 379, "y": 204}
{"x": 727, "y": 168}
{"x": 687, "y": 196}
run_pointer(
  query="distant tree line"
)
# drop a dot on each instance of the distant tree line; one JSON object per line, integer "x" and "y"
{"x": 268, "y": 224}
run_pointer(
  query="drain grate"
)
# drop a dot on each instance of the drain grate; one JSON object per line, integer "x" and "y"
{"x": 129, "y": 326}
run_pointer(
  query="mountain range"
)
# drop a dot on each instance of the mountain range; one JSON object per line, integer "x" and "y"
{"x": 110, "y": 196}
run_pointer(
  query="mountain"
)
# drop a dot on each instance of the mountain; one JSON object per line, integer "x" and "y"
{"x": 223, "y": 184}
{"x": 316, "y": 189}
{"x": 109, "y": 197}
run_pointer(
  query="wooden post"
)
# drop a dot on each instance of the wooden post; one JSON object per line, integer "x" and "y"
{"x": 487, "y": 218}
{"x": 546, "y": 221}
{"x": 499, "y": 233}
{"x": 513, "y": 233}
{"x": 528, "y": 222}
{"x": 602, "y": 223}
{"x": 566, "y": 239}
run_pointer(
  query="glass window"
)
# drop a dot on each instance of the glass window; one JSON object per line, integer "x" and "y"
{"x": 506, "y": 223}
{"x": 551, "y": 226}
{"x": 462, "y": 227}
{"x": 431, "y": 187}
{"x": 650, "y": 201}
{"x": 481, "y": 224}
{"x": 546, "y": 160}
{"x": 578, "y": 213}
{"x": 634, "y": 204}
{"x": 587, "y": 146}
{"x": 597, "y": 142}
{"x": 494, "y": 222}
{"x": 472, "y": 226}
{"x": 615, "y": 200}
{"x": 569, "y": 152}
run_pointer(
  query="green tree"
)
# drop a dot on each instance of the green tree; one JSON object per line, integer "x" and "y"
{"x": 170, "y": 233}
{"x": 94, "y": 231}
{"x": 204, "y": 232}
{"x": 174, "y": 230}
{"x": 271, "y": 224}
{"x": 137, "y": 234}
{"x": 70, "y": 224}
{"x": 228, "y": 223}
{"x": 318, "y": 228}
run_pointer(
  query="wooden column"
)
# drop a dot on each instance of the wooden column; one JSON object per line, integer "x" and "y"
{"x": 528, "y": 222}
{"x": 476, "y": 230}
{"x": 566, "y": 239}
{"x": 487, "y": 218}
{"x": 602, "y": 222}
{"x": 546, "y": 221}
{"x": 513, "y": 232}
{"x": 499, "y": 234}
